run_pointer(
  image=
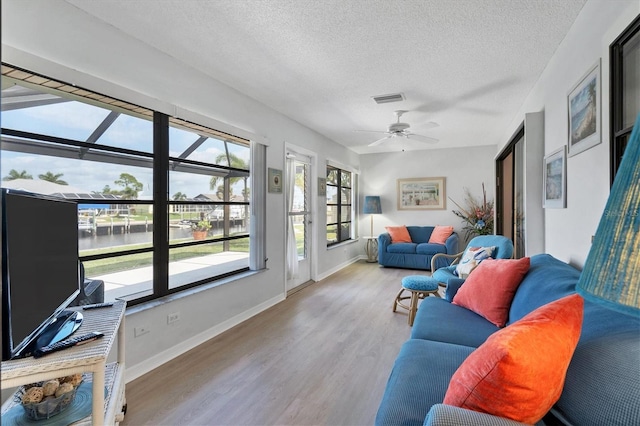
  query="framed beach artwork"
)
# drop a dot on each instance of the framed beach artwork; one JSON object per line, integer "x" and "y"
{"x": 584, "y": 112}
{"x": 555, "y": 179}
{"x": 421, "y": 194}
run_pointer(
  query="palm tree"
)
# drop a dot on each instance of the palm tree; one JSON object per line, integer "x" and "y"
{"x": 51, "y": 177}
{"x": 238, "y": 163}
{"x": 14, "y": 174}
{"x": 179, "y": 196}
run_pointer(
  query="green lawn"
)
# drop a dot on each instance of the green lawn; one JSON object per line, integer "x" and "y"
{"x": 134, "y": 261}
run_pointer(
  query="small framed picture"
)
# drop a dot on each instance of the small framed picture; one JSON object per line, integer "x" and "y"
{"x": 275, "y": 181}
{"x": 555, "y": 179}
{"x": 322, "y": 187}
{"x": 584, "y": 112}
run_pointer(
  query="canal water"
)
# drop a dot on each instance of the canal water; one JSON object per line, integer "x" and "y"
{"x": 90, "y": 241}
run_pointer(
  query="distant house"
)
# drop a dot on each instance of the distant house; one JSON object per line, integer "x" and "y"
{"x": 39, "y": 186}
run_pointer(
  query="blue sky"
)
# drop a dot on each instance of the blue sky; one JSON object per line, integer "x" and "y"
{"x": 75, "y": 120}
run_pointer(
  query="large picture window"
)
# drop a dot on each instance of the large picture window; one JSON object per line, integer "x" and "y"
{"x": 114, "y": 159}
{"x": 339, "y": 205}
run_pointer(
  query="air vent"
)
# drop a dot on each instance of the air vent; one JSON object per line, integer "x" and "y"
{"x": 385, "y": 99}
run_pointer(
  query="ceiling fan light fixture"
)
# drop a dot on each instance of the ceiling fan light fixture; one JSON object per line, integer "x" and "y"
{"x": 385, "y": 99}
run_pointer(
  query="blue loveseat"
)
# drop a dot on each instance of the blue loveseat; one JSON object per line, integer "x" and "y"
{"x": 418, "y": 253}
{"x": 602, "y": 385}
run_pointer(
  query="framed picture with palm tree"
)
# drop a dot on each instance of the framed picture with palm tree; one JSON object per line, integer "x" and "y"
{"x": 584, "y": 112}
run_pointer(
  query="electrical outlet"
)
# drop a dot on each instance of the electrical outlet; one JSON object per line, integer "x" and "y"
{"x": 139, "y": 331}
{"x": 173, "y": 318}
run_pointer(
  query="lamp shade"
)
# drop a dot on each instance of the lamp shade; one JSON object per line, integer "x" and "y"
{"x": 372, "y": 205}
{"x": 611, "y": 274}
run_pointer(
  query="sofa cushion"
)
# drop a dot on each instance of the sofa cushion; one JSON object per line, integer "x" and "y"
{"x": 409, "y": 248}
{"x": 548, "y": 279}
{"x": 602, "y": 386}
{"x": 420, "y": 234}
{"x": 490, "y": 288}
{"x": 399, "y": 234}
{"x": 427, "y": 248}
{"x": 606, "y": 367}
{"x": 442, "y": 321}
{"x": 444, "y": 274}
{"x": 440, "y": 234}
{"x": 519, "y": 372}
{"x": 419, "y": 379}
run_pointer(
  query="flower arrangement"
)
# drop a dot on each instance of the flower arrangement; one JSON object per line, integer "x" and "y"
{"x": 477, "y": 216}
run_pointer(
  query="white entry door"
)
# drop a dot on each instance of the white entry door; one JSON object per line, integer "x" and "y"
{"x": 299, "y": 220}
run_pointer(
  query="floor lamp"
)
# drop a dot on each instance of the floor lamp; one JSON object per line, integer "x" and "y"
{"x": 372, "y": 206}
{"x": 611, "y": 274}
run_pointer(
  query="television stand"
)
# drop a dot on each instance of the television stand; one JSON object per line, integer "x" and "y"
{"x": 90, "y": 357}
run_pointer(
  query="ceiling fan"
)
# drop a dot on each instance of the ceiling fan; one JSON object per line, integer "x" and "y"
{"x": 399, "y": 129}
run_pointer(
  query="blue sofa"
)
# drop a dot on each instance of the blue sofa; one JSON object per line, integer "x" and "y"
{"x": 418, "y": 253}
{"x": 602, "y": 385}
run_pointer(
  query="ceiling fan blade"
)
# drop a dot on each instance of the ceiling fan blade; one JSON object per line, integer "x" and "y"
{"x": 420, "y": 138}
{"x": 379, "y": 141}
{"x": 429, "y": 125}
{"x": 372, "y": 131}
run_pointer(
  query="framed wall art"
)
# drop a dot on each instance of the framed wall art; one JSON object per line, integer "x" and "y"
{"x": 421, "y": 194}
{"x": 275, "y": 181}
{"x": 555, "y": 179}
{"x": 584, "y": 105}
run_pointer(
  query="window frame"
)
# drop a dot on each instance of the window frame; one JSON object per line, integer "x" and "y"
{"x": 159, "y": 160}
{"x": 618, "y": 135}
{"x": 339, "y": 205}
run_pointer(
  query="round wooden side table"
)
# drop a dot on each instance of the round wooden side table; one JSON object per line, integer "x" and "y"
{"x": 371, "y": 248}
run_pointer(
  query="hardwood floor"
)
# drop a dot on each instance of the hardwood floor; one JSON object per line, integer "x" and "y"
{"x": 321, "y": 357}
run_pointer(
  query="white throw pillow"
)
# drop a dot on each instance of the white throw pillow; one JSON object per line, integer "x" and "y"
{"x": 472, "y": 258}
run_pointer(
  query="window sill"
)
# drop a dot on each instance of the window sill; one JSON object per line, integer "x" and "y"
{"x": 344, "y": 243}
{"x": 188, "y": 292}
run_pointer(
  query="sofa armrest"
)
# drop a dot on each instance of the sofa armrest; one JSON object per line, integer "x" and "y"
{"x": 453, "y": 285}
{"x": 436, "y": 262}
{"x": 383, "y": 242}
{"x": 452, "y": 243}
{"x": 384, "y": 239}
{"x": 448, "y": 415}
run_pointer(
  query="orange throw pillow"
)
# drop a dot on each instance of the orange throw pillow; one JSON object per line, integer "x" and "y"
{"x": 489, "y": 289}
{"x": 440, "y": 234}
{"x": 399, "y": 234}
{"x": 519, "y": 372}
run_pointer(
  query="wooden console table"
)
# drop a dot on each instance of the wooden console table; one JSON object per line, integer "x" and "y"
{"x": 90, "y": 357}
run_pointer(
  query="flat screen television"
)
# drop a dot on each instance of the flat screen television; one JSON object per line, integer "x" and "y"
{"x": 40, "y": 271}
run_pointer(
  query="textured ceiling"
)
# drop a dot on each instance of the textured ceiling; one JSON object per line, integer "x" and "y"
{"x": 466, "y": 64}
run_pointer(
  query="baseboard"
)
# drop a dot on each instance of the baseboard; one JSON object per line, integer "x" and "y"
{"x": 163, "y": 357}
{"x": 337, "y": 268}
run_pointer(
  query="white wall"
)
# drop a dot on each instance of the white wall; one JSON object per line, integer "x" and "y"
{"x": 56, "y": 39}
{"x": 462, "y": 168}
{"x": 568, "y": 231}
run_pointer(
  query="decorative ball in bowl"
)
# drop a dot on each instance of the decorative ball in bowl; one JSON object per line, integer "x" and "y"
{"x": 44, "y": 400}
